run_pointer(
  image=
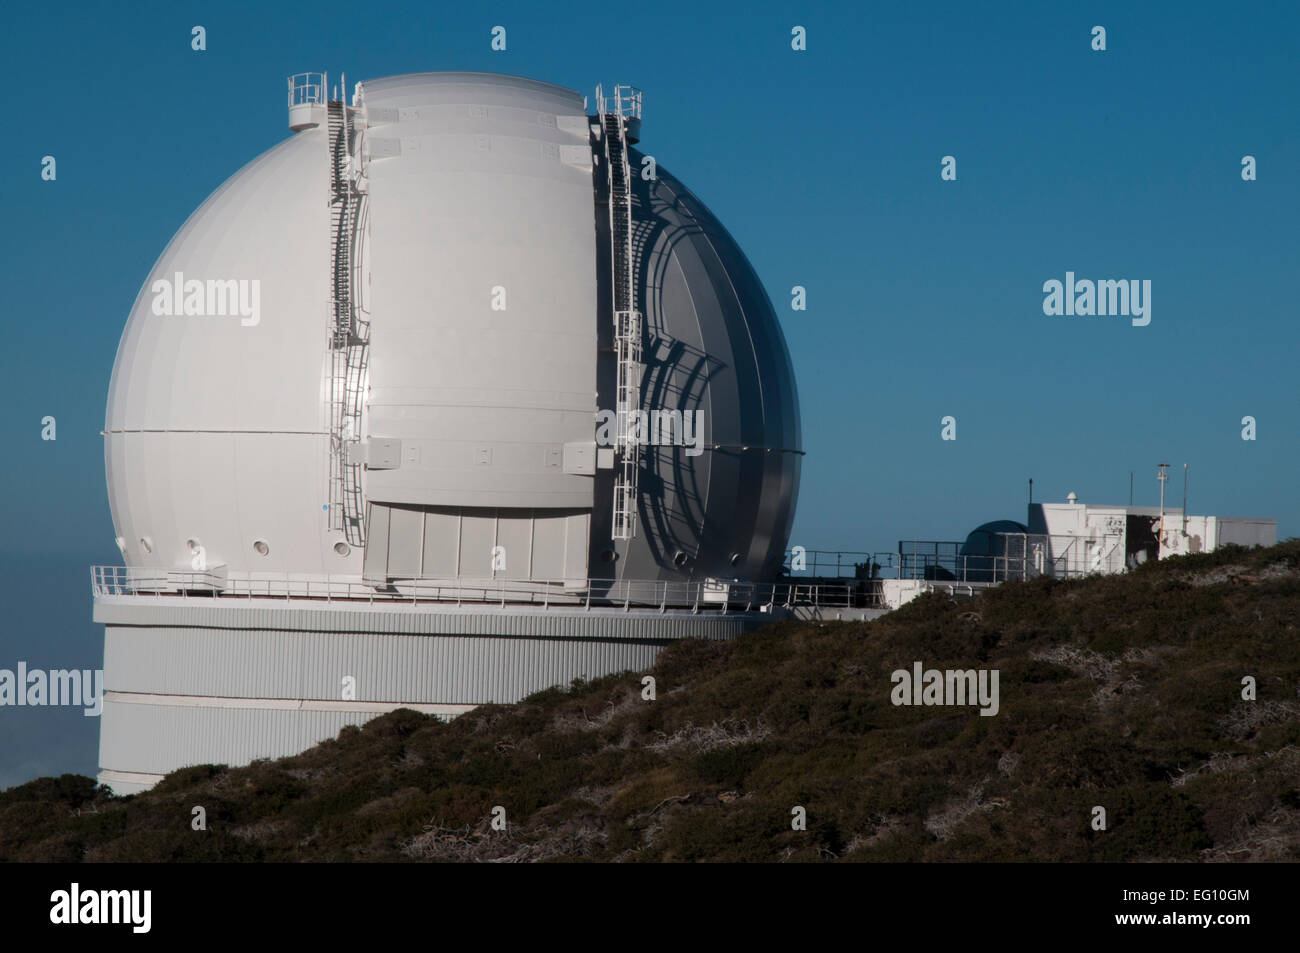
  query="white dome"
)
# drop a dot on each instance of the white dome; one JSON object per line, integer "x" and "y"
{"x": 215, "y": 426}
{"x": 380, "y": 257}
{"x": 477, "y": 424}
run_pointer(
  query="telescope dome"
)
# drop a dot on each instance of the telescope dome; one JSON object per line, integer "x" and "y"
{"x": 255, "y": 428}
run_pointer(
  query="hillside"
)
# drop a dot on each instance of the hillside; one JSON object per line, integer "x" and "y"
{"x": 1123, "y": 692}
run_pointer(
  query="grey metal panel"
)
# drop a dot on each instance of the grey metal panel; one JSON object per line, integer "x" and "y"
{"x": 441, "y": 543}
{"x": 269, "y": 662}
{"x": 405, "y": 541}
{"x": 548, "y": 549}
{"x": 479, "y": 199}
{"x": 410, "y": 542}
{"x": 577, "y": 532}
{"x": 120, "y": 787}
{"x": 158, "y": 739}
{"x": 375, "y": 565}
{"x": 453, "y": 670}
{"x": 515, "y": 537}
{"x": 478, "y": 534}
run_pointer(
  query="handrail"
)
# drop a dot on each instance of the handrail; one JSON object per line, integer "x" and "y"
{"x": 307, "y": 89}
{"x": 711, "y": 595}
{"x": 1010, "y": 556}
{"x": 626, "y": 102}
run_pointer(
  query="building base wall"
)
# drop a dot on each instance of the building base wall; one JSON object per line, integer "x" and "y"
{"x": 213, "y": 681}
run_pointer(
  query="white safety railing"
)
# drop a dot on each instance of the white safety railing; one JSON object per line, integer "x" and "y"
{"x": 625, "y": 102}
{"x": 306, "y": 89}
{"x": 1008, "y": 556}
{"x": 709, "y": 595}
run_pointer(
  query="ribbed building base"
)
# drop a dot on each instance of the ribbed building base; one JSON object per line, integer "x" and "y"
{"x": 211, "y": 680}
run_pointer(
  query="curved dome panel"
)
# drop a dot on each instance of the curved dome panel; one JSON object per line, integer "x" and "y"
{"x": 713, "y": 345}
{"x": 482, "y": 290}
{"x": 215, "y": 428}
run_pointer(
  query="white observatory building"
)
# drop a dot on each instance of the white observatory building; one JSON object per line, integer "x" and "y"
{"x": 448, "y": 398}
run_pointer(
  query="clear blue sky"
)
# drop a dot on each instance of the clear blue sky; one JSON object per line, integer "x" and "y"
{"x": 925, "y": 297}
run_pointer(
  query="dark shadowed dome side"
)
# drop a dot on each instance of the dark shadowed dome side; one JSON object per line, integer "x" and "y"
{"x": 713, "y": 342}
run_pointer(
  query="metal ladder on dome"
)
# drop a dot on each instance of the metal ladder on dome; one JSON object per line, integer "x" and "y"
{"x": 349, "y": 335}
{"x": 614, "y": 115}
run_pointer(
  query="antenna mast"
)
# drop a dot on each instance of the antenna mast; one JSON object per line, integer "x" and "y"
{"x": 1162, "y": 476}
{"x": 1184, "y": 499}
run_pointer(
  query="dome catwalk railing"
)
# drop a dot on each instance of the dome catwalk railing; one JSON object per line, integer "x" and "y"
{"x": 307, "y": 89}
{"x": 714, "y": 596}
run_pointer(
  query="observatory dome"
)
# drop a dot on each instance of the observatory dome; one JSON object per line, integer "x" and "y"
{"x": 382, "y": 349}
{"x": 451, "y": 397}
{"x": 985, "y": 551}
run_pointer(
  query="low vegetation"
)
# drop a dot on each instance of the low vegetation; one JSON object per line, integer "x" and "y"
{"x": 1120, "y": 692}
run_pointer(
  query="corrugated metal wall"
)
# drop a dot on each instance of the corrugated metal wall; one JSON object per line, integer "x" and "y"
{"x": 249, "y": 680}
{"x": 460, "y": 670}
{"x": 154, "y": 739}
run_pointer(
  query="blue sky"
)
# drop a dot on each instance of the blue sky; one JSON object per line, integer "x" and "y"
{"x": 924, "y": 296}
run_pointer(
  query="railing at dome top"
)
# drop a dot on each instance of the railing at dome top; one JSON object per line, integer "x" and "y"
{"x": 624, "y": 594}
{"x": 306, "y": 89}
{"x": 626, "y": 102}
